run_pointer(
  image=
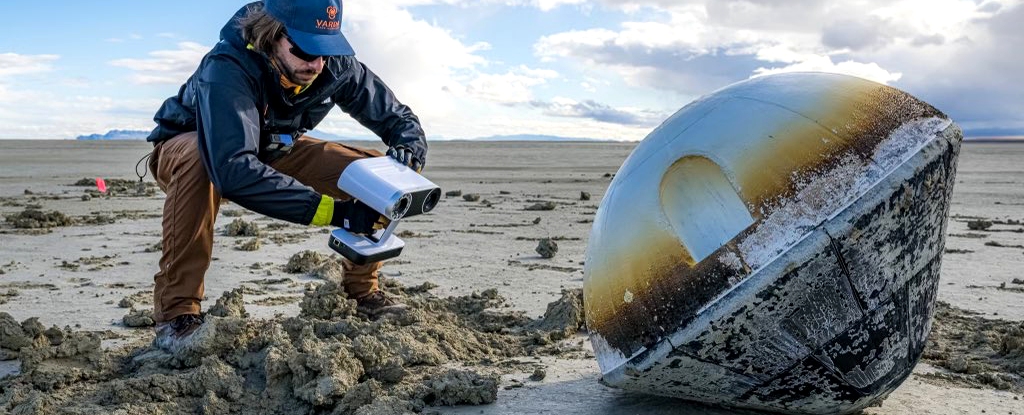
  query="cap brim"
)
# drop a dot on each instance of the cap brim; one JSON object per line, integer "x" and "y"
{"x": 320, "y": 44}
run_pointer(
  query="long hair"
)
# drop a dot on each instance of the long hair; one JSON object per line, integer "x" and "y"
{"x": 261, "y": 29}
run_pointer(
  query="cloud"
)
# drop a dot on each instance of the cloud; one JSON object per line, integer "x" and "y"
{"x": 543, "y": 5}
{"x": 457, "y": 92}
{"x": 514, "y": 86}
{"x": 955, "y": 54}
{"x": 869, "y": 71}
{"x": 39, "y": 114}
{"x": 133, "y": 36}
{"x": 855, "y": 34}
{"x": 655, "y": 55}
{"x": 12, "y": 64}
{"x": 35, "y": 105}
{"x": 171, "y": 67}
{"x": 976, "y": 79}
{"x": 547, "y": 5}
{"x": 589, "y": 109}
{"x": 425, "y": 64}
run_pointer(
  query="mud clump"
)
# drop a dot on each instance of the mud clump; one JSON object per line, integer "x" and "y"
{"x": 239, "y": 227}
{"x": 96, "y": 218}
{"x": 278, "y": 300}
{"x": 453, "y": 193}
{"x": 471, "y": 197}
{"x": 547, "y": 248}
{"x": 14, "y": 336}
{"x": 327, "y": 302}
{"x": 584, "y": 196}
{"x": 977, "y": 352}
{"x": 330, "y": 270}
{"x": 119, "y": 187}
{"x": 979, "y": 225}
{"x": 139, "y": 318}
{"x": 304, "y": 262}
{"x": 541, "y": 206}
{"x": 564, "y": 317}
{"x": 230, "y": 304}
{"x": 37, "y": 219}
{"x": 1012, "y": 344}
{"x": 250, "y": 245}
{"x": 79, "y": 354}
{"x": 457, "y": 387}
{"x": 6, "y": 296}
{"x": 326, "y": 360}
{"x": 316, "y": 265}
{"x": 140, "y": 297}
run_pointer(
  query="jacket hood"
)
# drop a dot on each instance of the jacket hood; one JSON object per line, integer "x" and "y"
{"x": 231, "y": 32}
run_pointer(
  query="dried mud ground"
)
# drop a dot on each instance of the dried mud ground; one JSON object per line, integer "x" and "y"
{"x": 493, "y": 323}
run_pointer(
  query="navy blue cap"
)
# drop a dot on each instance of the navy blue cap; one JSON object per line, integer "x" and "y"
{"x": 314, "y": 25}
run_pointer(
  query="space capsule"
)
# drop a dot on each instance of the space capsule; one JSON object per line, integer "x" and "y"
{"x": 774, "y": 245}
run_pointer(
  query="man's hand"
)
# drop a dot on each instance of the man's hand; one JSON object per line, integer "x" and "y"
{"x": 354, "y": 216}
{"x": 412, "y": 154}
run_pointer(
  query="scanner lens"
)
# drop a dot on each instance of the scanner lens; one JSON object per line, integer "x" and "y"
{"x": 401, "y": 207}
{"x": 431, "y": 200}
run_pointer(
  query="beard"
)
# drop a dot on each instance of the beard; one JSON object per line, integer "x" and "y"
{"x": 302, "y": 77}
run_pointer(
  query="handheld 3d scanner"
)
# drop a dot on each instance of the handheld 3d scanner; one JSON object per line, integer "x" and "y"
{"x": 393, "y": 190}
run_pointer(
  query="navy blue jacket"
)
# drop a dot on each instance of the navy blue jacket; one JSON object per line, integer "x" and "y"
{"x": 234, "y": 101}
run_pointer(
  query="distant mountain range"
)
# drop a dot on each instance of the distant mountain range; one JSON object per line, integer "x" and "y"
{"x": 117, "y": 135}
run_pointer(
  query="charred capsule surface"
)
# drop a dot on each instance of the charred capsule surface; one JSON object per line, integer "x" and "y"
{"x": 774, "y": 245}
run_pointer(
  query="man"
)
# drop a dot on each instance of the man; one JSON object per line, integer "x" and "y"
{"x": 236, "y": 129}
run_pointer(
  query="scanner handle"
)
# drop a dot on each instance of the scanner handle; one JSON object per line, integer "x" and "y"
{"x": 384, "y": 234}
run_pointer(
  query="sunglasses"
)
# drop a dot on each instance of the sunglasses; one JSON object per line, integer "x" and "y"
{"x": 299, "y": 53}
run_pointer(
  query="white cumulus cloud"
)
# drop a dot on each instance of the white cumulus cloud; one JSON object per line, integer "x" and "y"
{"x": 12, "y": 64}
{"x": 419, "y": 60}
{"x": 958, "y": 55}
{"x": 514, "y": 86}
{"x": 870, "y": 71}
{"x": 170, "y": 67}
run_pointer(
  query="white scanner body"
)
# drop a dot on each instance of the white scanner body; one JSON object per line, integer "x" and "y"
{"x": 390, "y": 188}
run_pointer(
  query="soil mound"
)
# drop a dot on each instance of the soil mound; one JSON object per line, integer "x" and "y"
{"x": 326, "y": 360}
{"x": 230, "y": 304}
{"x": 563, "y": 317}
{"x": 315, "y": 264}
{"x": 239, "y": 227}
{"x": 978, "y": 352}
{"x": 35, "y": 219}
{"x": 547, "y": 248}
{"x": 119, "y": 187}
{"x": 305, "y": 262}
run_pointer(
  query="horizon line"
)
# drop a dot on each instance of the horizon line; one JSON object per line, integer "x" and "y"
{"x": 980, "y": 138}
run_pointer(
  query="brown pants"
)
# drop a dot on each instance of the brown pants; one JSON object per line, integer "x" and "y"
{"x": 191, "y": 209}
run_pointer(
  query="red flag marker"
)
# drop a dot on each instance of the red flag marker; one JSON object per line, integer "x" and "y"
{"x": 101, "y": 185}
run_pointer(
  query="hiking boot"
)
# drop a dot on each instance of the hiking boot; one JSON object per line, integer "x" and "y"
{"x": 171, "y": 334}
{"x": 378, "y": 303}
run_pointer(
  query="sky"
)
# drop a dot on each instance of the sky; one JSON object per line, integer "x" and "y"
{"x": 608, "y": 69}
